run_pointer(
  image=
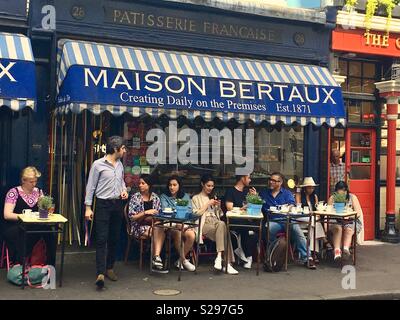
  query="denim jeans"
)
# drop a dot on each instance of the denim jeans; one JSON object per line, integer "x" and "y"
{"x": 108, "y": 220}
{"x": 296, "y": 236}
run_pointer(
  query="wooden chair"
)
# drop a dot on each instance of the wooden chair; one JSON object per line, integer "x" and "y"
{"x": 131, "y": 237}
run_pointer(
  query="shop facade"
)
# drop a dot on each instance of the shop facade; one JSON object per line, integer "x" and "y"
{"x": 129, "y": 67}
{"x": 367, "y": 59}
{"x": 21, "y": 124}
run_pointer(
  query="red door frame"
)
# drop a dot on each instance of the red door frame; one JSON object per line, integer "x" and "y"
{"x": 357, "y": 186}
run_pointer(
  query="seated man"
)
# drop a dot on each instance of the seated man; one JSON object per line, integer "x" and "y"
{"x": 276, "y": 195}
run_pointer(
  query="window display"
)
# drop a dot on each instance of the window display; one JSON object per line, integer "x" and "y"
{"x": 275, "y": 149}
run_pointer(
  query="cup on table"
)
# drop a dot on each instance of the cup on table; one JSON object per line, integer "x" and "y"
{"x": 236, "y": 210}
{"x": 27, "y": 212}
{"x": 306, "y": 210}
{"x": 51, "y": 209}
{"x": 273, "y": 208}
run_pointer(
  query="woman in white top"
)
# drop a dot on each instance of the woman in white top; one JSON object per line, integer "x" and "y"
{"x": 308, "y": 198}
{"x": 211, "y": 226}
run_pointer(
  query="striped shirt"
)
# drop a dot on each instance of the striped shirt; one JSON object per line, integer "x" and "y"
{"x": 105, "y": 181}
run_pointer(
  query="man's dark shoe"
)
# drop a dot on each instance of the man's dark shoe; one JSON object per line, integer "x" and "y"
{"x": 110, "y": 274}
{"x": 310, "y": 265}
{"x": 100, "y": 281}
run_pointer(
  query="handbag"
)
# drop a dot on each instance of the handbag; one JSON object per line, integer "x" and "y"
{"x": 14, "y": 275}
{"x": 38, "y": 276}
{"x": 35, "y": 276}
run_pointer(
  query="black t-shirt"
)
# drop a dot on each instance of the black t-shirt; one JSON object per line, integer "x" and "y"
{"x": 148, "y": 205}
{"x": 236, "y": 196}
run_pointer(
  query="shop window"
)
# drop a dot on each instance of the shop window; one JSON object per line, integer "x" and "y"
{"x": 354, "y": 84}
{"x": 361, "y": 76}
{"x": 275, "y": 149}
{"x": 383, "y": 167}
{"x": 354, "y": 111}
{"x": 369, "y": 70}
{"x": 360, "y": 111}
{"x": 383, "y": 158}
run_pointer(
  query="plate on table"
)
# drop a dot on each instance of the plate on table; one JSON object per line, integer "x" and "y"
{"x": 43, "y": 218}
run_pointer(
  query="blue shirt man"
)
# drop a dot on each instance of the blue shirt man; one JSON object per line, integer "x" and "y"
{"x": 276, "y": 195}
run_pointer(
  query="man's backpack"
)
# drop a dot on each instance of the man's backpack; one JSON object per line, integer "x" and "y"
{"x": 275, "y": 255}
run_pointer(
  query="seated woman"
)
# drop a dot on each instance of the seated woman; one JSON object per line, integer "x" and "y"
{"x": 348, "y": 229}
{"x": 175, "y": 191}
{"x": 211, "y": 225}
{"x": 308, "y": 198}
{"x": 25, "y": 196}
{"x": 142, "y": 206}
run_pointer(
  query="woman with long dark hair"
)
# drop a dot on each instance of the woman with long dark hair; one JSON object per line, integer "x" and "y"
{"x": 211, "y": 226}
{"x": 347, "y": 230}
{"x": 175, "y": 190}
{"x": 142, "y": 206}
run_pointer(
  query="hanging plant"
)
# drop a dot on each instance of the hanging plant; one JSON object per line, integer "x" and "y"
{"x": 389, "y": 4}
{"x": 350, "y": 5}
{"x": 372, "y": 6}
{"x": 370, "y": 9}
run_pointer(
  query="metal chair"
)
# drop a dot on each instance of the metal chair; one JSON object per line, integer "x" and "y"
{"x": 4, "y": 256}
{"x": 131, "y": 237}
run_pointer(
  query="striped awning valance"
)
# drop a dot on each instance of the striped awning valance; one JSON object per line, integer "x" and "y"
{"x": 17, "y": 74}
{"x": 100, "y": 57}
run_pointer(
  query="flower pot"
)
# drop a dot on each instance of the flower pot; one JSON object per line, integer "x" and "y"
{"x": 182, "y": 212}
{"x": 43, "y": 214}
{"x": 339, "y": 207}
{"x": 254, "y": 209}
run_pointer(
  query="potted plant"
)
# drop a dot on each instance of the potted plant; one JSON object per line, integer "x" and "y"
{"x": 340, "y": 200}
{"x": 182, "y": 209}
{"x": 44, "y": 204}
{"x": 254, "y": 204}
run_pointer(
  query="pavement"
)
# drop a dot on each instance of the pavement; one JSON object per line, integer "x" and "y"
{"x": 377, "y": 276}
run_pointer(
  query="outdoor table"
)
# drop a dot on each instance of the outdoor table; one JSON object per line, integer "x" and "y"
{"x": 351, "y": 217}
{"x": 169, "y": 222}
{"x": 244, "y": 217}
{"x": 290, "y": 218}
{"x": 53, "y": 220}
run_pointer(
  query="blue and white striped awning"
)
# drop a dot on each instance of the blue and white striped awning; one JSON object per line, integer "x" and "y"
{"x": 78, "y": 53}
{"x": 17, "y": 74}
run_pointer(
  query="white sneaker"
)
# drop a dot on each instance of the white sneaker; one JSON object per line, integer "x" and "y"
{"x": 231, "y": 270}
{"x": 188, "y": 266}
{"x": 218, "y": 263}
{"x": 247, "y": 265}
{"x": 239, "y": 252}
{"x": 185, "y": 265}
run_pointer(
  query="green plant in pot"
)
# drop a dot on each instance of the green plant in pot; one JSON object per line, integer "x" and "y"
{"x": 44, "y": 204}
{"x": 340, "y": 200}
{"x": 254, "y": 204}
{"x": 182, "y": 209}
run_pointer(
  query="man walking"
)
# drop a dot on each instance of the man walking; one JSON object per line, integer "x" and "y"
{"x": 106, "y": 182}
